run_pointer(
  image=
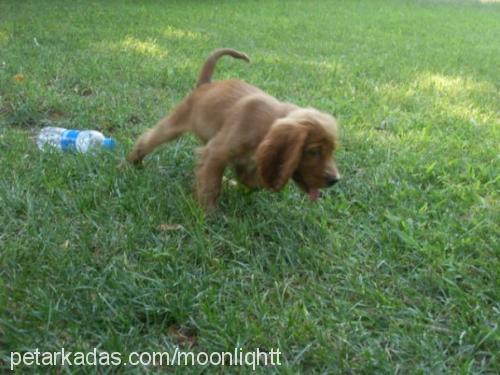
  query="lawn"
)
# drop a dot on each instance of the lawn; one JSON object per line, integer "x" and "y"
{"x": 395, "y": 270}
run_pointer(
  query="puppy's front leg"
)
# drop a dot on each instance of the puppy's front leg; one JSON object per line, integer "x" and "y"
{"x": 247, "y": 175}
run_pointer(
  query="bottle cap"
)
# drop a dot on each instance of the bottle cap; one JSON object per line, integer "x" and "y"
{"x": 109, "y": 144}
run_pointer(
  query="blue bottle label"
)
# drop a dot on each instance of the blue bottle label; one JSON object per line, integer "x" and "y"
{"x": 68, "y": 140}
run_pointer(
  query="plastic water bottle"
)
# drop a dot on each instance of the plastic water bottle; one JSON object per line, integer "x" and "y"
{"x": 73, "y": 140}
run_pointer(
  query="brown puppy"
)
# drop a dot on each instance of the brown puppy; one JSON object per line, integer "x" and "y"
{"x": 266, "y": 141}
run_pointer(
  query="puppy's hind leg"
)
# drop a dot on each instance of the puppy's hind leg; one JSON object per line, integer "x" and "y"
{"x": 167, "y": 129}
{"x": 209, "y": 173}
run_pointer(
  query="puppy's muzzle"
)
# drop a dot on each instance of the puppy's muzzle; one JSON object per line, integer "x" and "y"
{"x": 332, "y": 180}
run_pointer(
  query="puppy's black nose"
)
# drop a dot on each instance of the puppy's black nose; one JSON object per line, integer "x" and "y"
{"x": 331, "y": 180}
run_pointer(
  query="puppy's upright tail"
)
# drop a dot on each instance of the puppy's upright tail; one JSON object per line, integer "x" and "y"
{"x": 208, "y": 69}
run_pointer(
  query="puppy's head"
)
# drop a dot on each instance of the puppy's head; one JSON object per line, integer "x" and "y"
{"x": 299, "y": 146}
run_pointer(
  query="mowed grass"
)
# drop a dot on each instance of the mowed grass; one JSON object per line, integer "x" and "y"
{"x": 395, "y": 270}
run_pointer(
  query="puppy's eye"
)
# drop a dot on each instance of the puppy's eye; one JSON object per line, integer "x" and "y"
{"x": 314, "y": 152}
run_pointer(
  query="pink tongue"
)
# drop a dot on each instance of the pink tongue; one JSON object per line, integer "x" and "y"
{"x": 313, "y": 194}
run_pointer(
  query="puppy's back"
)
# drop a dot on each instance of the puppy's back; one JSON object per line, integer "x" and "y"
{"x": 212, "y": 104}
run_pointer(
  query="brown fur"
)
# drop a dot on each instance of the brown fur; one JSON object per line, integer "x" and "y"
{"x": 266, "y": 141}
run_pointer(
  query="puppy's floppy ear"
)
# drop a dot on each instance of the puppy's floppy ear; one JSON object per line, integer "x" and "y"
{"x": 278, "y": 155}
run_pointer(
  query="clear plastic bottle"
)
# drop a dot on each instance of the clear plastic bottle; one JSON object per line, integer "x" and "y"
{"x": 73, "y": 140}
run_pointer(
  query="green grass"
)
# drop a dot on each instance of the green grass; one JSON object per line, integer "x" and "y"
{"x": 396, "y": 270}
